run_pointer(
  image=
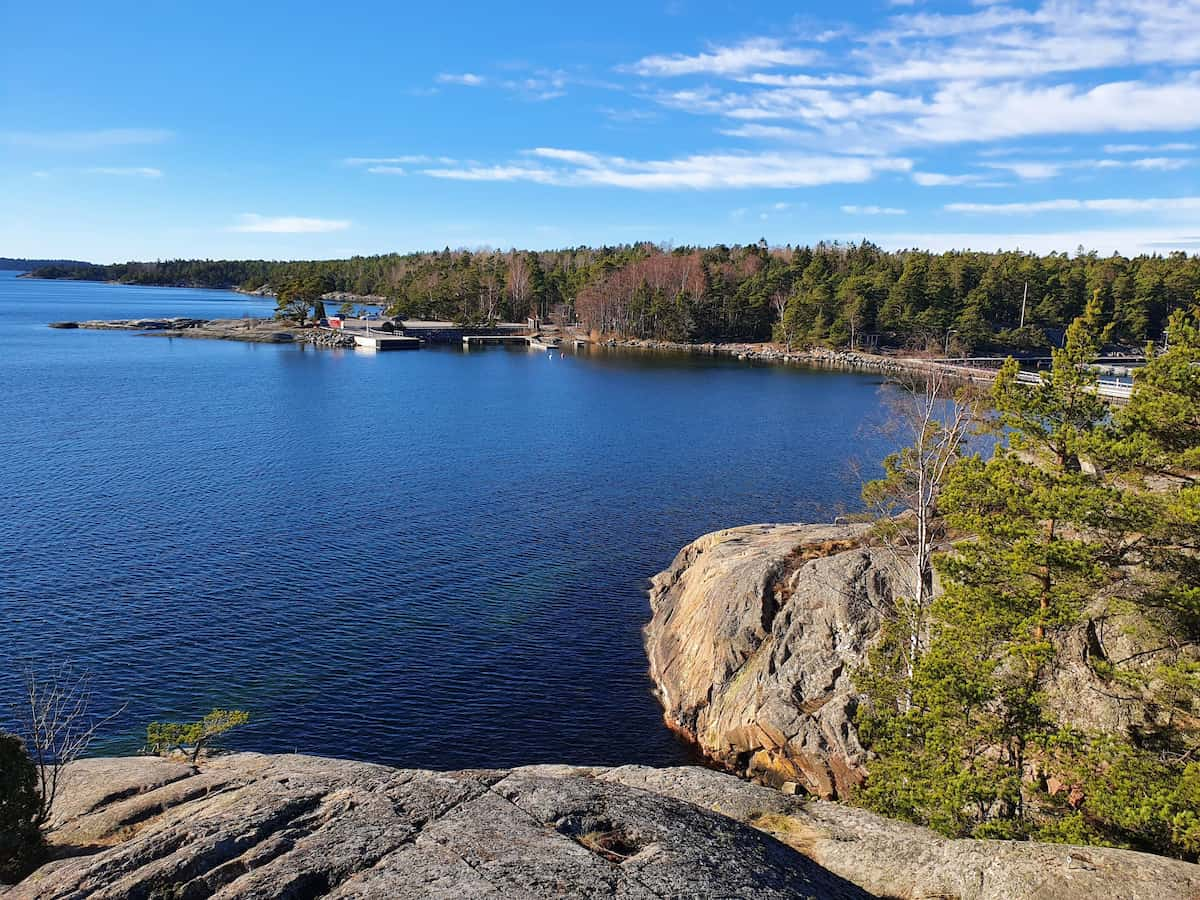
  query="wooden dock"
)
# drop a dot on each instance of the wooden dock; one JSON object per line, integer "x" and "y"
{"x": 483, "y": 340}
{"x": 379, "y": 340}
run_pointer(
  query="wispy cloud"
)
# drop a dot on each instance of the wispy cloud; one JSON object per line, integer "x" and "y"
{"x": 256, "y": 224}
{"x": 395, "y": 165}
{"x": 1030, "y": 171}
{"x": 1150, "y": 148}
{"x": 577, "y": 168}
{"x": 767, "y": 132}
{"x": 1123, "y": 205}
{"x": 874, "y": 211}
{"x": 991, "y": 73}
{"x": 748, "y": 56}
{"x": 466, "y": 79}
{"x": 409, "y": 159}
{"x": 85, "y": 140}
{"x": 127, "y": 171}
{"x": 941, "y": 179}
{"x": 1036, "y": 171}
{"x": 532, "y": 84}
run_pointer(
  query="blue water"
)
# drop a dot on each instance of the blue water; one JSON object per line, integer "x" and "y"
{"x": 431, "y": 558}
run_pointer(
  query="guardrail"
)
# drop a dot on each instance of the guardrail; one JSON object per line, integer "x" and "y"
{"x": 1114, "y": 390}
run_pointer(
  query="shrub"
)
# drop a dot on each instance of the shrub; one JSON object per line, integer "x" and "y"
{"x": 163, "y": 737}
{"x": 20, "y": 838}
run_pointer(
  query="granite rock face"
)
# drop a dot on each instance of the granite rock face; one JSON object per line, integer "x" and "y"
{"x": 896, "y": 859}
{"x": 295, "y": 826}
{"x": 756, "y": 632}
{"x": 248, "y": 825}
{"x": 754, "y": 637}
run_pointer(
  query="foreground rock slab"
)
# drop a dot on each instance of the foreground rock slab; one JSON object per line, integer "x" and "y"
{"x": 295, "y": 826}
{"x": 895, "y": 859}
{"x": 249, "y": 825}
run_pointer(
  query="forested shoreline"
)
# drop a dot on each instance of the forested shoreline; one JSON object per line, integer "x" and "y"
{"x": 19, "y": 264}
{"x": 838, "y": 295}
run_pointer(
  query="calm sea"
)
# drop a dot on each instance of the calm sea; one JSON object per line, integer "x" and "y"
{"x": 430, "y": 559}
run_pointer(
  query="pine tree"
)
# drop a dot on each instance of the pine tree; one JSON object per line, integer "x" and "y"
{"x": 1078, "y": 518}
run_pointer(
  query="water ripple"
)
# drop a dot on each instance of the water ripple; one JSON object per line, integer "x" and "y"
{"x": 430, "y": 558}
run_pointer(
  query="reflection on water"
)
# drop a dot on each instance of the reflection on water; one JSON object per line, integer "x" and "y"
{"x": 429, "y": 558}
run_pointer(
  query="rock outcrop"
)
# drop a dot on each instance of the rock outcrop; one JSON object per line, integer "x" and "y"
{"x": 756, "y": 632}
{"x": 249, "y": 825}
{"x": 296, "y": 826}
{"x": 754, "y": 637}
{"x": 252, "y": 330}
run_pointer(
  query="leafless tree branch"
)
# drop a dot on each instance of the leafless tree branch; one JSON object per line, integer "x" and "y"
{"x": 54, "y": 715}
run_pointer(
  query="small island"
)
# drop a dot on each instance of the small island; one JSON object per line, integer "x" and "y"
{"x": 252, "y": 330}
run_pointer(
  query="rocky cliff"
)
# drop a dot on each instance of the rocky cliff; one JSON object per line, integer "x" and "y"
{"x": 756, "y": 632}
{"x": 754, "y": 636}
{"x": 300, "y": 827}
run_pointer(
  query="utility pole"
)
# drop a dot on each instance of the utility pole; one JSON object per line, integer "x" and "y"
{"x": 1024, "y": 297}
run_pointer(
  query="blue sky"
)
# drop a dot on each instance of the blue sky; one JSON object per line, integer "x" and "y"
{"x": 142, "y": 131}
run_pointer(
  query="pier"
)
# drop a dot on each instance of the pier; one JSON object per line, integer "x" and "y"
{"x": 379, "y": 340}
{"x": 483, "y": 340}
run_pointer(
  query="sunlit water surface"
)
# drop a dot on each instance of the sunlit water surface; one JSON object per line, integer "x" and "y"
{"x": 431, "y": 558}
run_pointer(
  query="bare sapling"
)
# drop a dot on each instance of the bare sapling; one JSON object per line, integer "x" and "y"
{"x": 933, "y": 417}
{"x": 55, "y": 719}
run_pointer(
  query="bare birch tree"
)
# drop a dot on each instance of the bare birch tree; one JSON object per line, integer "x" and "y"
{"x": 934, "y": 418}
{"x": 518, "y": 282}
{"x": 57, "y": 724}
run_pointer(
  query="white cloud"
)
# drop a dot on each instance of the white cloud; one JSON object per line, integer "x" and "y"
{"x": 960, "y": 112}
{"x": 466, "y": 79}
{"x": 769, "y": 132}
{"x": 386, "y": 170}
{"x": 256, "y": 224}
{"x": 1149, "y": 148}
{"x": 1036, "y": 171}
{"x": 576, "y": 168}
{"x": 405, "y": 160}
{"x": 1124, "y": 205}
{"x": 1003, "y": 41}
{"x": 874, "y": 211}
{"x": 759, "y": 53}
{"x": 991, "y": 73}
{"x": 543, "y": 84}
{"x": 130, "y": 171}
{"x": 939, "y": 179}
{"x": 997, "y": 41}
{"x": 1160, "y": 164}
{"x": 777, "y": 79}
{"x": 1030, "y": 171}
{"x": 495, "y": 173}
{"x": 85, "y": 140}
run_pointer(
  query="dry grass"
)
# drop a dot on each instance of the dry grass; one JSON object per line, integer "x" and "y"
{"x": 789, "y": 830}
